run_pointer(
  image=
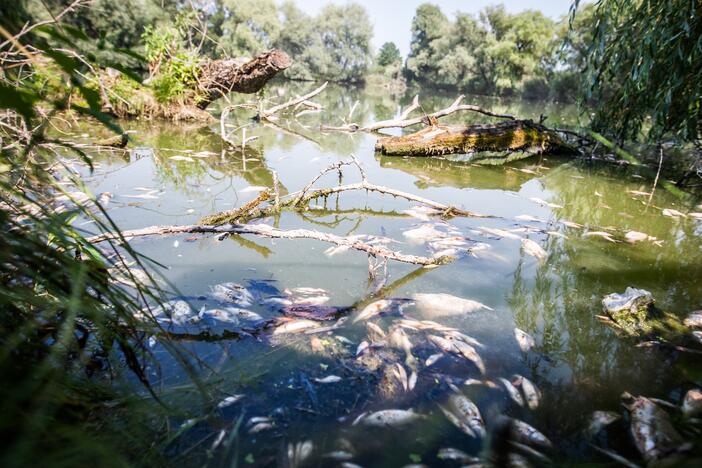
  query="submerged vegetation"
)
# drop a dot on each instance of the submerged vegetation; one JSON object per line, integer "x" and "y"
{"x": 270, "y": 350}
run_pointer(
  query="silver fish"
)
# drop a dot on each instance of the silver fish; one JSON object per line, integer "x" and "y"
{"x": 528, "y": 435}
{"x": 512, "y": 392}
{"x": 375, "y": 333}
{"x": 431, "y": 360}
{"x": 524, "y": 340}
{"x": 535, "y": 250}
{"x": 463, "y": 413}
{"x": 446, "y": 304}
{"x": 230, "y": 400}
{"x": 654, "y": 435}
{"x": 532, "y": 395}
{"x": 232, "y": 292}
{"x": 390, "y": 418}
{"x": 296, "y": 326}
{"x": 328, "y": 379}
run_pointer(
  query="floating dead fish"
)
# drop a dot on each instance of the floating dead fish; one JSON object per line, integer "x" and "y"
{"x": 498, "y": 233}
{"x": 446, "y": 304}
{"x": 460, "y": 348}
{"x": 337, "y": 249}
{"x": 362, "y": 346}
{"x": 456, "y": 335}
{"x": 390, "y": 418}
{"x": 602, "y": 234}
{"x": 229, "y": 401}
{"x": 296, "y": 326}
{"x": 635, "y": 236}
{"x": 456, "y": 455}
{"x": 524, "y": 340}
{"x": 692, "y": 403}
{"x": 601, "y": 419}
{"x": 431, "y": 360}
{"x": 398, "y": 338}
{"x": 557, "y": 234}
{"x": 375, "y": 333}
{"x": 313, "y": 311}
{"x": 535, "y": 250}
{"x": 416, "y": 325}
{"x": 694, "y": 320}
{"x": 529, "y": 219}
{"x": 298, "y": 453}
{"x": 232, "y": 292}
{"x": 639, "y": 193}
{"x": 631, "y": 301}
{"x": 329, "y": 379}
{"x": 484, "y": 383}
{"x": 653, "y": 434}
{"x": 304, "y": 295}
{"x": 532, "y": 395}
{"x": 545, "y": 203}
{"x": 464, "y": 414}
{"x": 671, "y": 213}
{"x": 151, "y": 195}
{"x": 571, "y": 224}
{"x": 425, "y": 232}
{"x": 259, "y": 424}
{"x": 512, "y": 392}
{"x": 422, "y": 213}
{"x": 528, "y": 435}
{"x": 373, "y": 309}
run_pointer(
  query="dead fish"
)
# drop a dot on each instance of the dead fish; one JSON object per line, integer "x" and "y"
{"x": 296, "y": 326}
{"x": 179, "y": 312}
{"x": 362, "y": 346}
{"x": 431, "y": 360}
{"x": 252, "y": 188}
{"x": 425, "y": 232}
{"x": 653, "y": 434}
{"x": 375, "y": 333}
{"x": 298, "y": 453}
{"x": 535, "y": 250}
{"x": 446, "y": 304}
{"x": 512, "y": 392}
{"x": 456, "y": 455}
{"x": 259, "y": 424}
{"x": 524, "y": 340}
{"x": 498, "y": 233}
{"x": 528, "y": 435}
{"x": 604, "y": 235}
{"x": 532, "y": 395}
{"x": 635, "y": 236}
{"x": 466, "y": 415}
{"x": 545, "y": 203}
{"x": 694, "y": 319}
{"x": 307, "y": 296}
{"x": 230, "y": 400}
{"x": 485, "y": 383}
{"x": 313, "y": 311}
{"x": 571, "y": 224}
{"x": 671, "y": 213}
{"x": 695, "y": 215}
{"x": 456, "y": 335}
{"x": 373, "y": 309}
{"x": 232, "y": 292}
{"x": 557, "y": 234}
{"x": 692, "y": 403}
{"x": 601, "y": 419}
{"x": 529, "y": 219}
{"x": 181, "y": 158}
{"x": 422, "y": 213}
{"x": 390, "y": 418}
{"x": 398, "y": 338}
{"x": 328, "y": 379}
{"x": 458, "y": 347}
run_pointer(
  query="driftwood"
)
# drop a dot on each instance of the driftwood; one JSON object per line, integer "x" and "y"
{"x": 269, "y": 114}
{"x": 220, "y": 77}
{"x": 351, "y": 242}
{"x": 509, "y": 136}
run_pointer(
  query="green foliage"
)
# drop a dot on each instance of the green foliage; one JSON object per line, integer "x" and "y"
{"x": 644, "y": 68}
{"x": 388, "y": 54}
{"x": 247, "y": 27}
{"x": 495, "y": 53}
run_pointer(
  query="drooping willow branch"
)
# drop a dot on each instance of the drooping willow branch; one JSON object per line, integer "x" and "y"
{"x": 264, "y": 230}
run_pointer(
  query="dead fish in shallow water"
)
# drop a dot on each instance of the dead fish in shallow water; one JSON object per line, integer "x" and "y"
{"x": 672, "y": 213}
{"x": 599, "y": 420}
{"x": 431, "y": 360}
{"x": 604, "y": 235}
{"x": 232, "y": 292}
{"x": 532, "y": 395}
{"x": 307, "y": 296}
{"x": 535, "y": 250}
{"x": 524, "y": 340}
{"x": 390, "y": 418}
{"x": 230, "y": 400}
{"x": 329, "y": 379}
{"x": 375, "y": 333}
{"x": 529, "y": 435}
{"x": 694, "y": 320}
{"x": 298, "y": 453}
{"x": 296, "y": 326}
{"x": 456, "y": 455}
{"x": 512, "y": 392}
{"x": 362, "y": 346}
{"x": 441, "y": 304}
{"x": 425, "y": 232}
{"x": 373, "y": 309}
{"x": 545, "y": 203}
{"x": 458, "y": 347}
{"x": 653, "y": 434}
{"x": 259, "y": 424}
{"x": 692, "y": 403}
{"x": 313, "y": 311}
{"x": 484, "y": 383}
{"x": 465, "y": 415}
{"x": 495, "y": 232}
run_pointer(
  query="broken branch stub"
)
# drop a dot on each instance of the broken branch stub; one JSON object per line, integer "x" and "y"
{"x": 220, "y": 77}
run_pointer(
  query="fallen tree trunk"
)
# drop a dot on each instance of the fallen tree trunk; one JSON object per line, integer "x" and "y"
{"x": 220, "y": 77}
{"x": 509, "y": 136}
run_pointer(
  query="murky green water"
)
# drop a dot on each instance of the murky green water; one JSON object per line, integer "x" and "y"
{"x": 578, "y": 363}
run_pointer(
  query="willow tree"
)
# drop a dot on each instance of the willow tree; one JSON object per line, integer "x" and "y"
{"x": 644, "y": 68}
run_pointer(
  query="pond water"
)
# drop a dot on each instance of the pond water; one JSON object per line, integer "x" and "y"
{"x": 178, "y": 173}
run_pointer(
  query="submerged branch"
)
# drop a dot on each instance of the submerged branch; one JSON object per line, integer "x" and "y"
{"x": 269, "y": 231}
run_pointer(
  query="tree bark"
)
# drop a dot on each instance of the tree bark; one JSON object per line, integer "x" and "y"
{"x": 509, "y": 136}
{"x": 220, "y": 77}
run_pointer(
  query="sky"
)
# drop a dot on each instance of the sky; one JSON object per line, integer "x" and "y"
{"x": 392, "y": 19}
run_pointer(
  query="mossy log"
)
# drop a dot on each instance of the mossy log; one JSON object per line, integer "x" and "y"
{"x": 220, "y": 77}
{"x": 508, "y": 136}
